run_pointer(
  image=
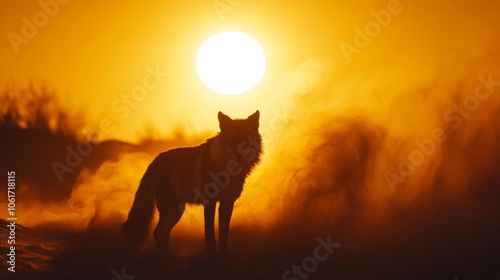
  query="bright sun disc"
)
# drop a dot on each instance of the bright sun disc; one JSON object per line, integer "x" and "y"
{"x": 231, "y": 63}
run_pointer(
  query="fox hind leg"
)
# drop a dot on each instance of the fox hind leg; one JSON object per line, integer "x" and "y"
{"x": 169, "y": 217}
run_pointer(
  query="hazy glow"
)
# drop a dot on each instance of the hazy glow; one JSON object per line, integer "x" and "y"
{"x": 231, "y": 63}
{"x": 349, "y": 133}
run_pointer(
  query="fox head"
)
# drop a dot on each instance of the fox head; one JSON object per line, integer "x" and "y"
{"x": 240, "y": 137}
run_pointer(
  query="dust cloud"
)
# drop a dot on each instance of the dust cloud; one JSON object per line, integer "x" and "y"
{"x": 412, "y": 161}
{"x": 385, "y": 155}
{"x": 384, "y": 164}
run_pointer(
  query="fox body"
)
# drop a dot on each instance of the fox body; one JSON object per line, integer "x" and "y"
{"x": 212, "y": 172}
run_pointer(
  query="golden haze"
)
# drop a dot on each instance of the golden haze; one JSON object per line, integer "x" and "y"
{"x": 332, "y": 128}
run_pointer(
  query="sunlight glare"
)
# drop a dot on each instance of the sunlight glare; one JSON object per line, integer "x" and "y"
{"x": 231, "y": 63}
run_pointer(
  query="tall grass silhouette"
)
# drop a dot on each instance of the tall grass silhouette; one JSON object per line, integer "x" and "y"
{"x": 36, "y": 127}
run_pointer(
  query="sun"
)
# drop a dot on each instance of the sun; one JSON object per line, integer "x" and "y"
{"x": 231, "y": 62}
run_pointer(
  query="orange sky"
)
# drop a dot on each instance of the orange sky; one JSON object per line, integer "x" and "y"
{"x": 93, "y": 52}
{"x": 334, "y": 121}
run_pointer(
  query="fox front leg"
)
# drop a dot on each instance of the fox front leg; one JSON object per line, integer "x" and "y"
{"x": 225, "y": 213}
{"x": 209, "y": 212}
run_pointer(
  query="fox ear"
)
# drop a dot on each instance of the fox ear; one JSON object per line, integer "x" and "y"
{"x": 224, "y": 121}
{"x": 254, "y": 119}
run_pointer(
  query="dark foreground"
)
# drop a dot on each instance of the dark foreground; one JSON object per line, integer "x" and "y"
{"x": 69, "y": 258}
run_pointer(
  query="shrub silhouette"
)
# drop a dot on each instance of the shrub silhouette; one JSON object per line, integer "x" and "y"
{"x": 35, "y": 129}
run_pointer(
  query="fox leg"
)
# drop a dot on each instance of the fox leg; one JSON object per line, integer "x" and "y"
{"x": 225, "y": 213}
{"x": 169, "y": 216}
{"x": 209, "y": 213}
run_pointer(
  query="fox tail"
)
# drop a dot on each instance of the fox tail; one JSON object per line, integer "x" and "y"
{"x": 140, "y": 217}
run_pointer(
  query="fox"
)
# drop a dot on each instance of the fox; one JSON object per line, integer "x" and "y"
{"x": 212, "y": 172}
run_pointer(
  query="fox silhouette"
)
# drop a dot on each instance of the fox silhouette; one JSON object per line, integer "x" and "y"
{"x": 212, "y": 172}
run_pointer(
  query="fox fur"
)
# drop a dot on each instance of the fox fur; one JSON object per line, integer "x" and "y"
{"x": 212, "y": 172}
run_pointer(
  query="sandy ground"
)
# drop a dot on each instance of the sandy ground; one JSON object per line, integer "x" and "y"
{"x": 41, "y": 257}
